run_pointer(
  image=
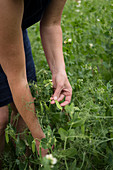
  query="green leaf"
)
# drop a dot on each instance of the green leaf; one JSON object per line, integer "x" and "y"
{"x": 71, "y": 152}
{"x": 70, "y": 108}
{"x": 6, "y": 136}
{"x": 71, "y": 133}
{"x": 30, "y": 168}
{"x": 78, "y": 123}
{"x": 73, "y": 166}
{"x": 63, "y": 133}
{"x": 47, "y": 108}
{"x": 58, "y": 105}
{"x": 76, "y": 108}
{"x": 33, "y": 146}
{"x": 20, "y": 146}
{"x": 44, "y": 143}
{"x": 83, "y": 129}
{"x": 42, "y": 109}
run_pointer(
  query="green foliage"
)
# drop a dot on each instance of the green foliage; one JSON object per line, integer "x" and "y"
{"x": 82, "y": 132}
{"x": 58, "y": 105}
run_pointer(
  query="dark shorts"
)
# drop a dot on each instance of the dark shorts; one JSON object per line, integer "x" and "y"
{"x": 33, "y": 11}
{"x": 5, "y": 93}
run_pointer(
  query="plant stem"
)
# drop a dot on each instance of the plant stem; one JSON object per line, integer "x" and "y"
{"x": 65, "y": 157}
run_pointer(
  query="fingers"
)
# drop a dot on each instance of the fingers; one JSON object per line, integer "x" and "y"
{"x": 67, "y": 101}
{"x": 59, "y": 99}
{"x": 57, "y": 92}
{"x": 63, "y": 89}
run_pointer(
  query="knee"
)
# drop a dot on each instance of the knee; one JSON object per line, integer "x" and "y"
{"x": 4, "y": 114}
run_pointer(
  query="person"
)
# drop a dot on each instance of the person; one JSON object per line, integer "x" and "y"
{"x": 16, "y": 15}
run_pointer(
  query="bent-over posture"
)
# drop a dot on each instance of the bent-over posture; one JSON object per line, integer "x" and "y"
{"x": 16, "y": 15}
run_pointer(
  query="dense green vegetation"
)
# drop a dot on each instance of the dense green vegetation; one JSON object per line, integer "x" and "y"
{"x": 83, "y": 132}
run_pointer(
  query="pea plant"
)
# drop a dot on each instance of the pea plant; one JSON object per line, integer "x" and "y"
{"x": 81, "y": 132}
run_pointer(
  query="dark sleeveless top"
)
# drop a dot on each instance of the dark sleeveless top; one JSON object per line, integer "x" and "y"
{"x": 33, "y": 11}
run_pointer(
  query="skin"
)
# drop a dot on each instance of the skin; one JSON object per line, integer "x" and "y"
{"x": 12, "y": 59}
{"x": 3, "y": 122}
{"x": 4, "y": 118}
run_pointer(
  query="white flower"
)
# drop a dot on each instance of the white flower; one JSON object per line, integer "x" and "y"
{"x": 98, "y": 19}
{"x": 79, "y": 2}
{"x": 54, "y": 161}
{"x": 50, "y": 156}
{"x": 90, "y": 67}
{"x": 69, "y": 40}
{"x": 77, "y": 10}
{"x": 91, "y": 45}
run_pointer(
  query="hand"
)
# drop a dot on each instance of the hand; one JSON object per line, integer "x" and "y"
{"x": 44, "y": 152}
{"x": 62, "y": 88}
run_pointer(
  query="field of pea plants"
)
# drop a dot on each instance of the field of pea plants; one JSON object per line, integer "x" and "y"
{"x": 82, "y": 133}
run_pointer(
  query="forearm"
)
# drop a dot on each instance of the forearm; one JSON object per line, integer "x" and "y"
{"x": 51, "y": 37}
{"x": 25, "y": 105}
{"x": 13, "y": 64}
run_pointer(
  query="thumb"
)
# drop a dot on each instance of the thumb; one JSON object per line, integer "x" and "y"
{"x": 57, "y": 93}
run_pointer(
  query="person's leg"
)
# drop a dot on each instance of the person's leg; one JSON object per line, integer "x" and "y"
{"x": 18, "y": 123}
{"x": 4, "y": 114}
{"x": 4, "y": 117}
{"x": 20, "y": 126}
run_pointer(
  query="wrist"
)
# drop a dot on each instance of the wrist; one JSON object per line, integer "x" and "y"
{"x": 61, "y": 71}
{"x": 36, "y": 130}
{"x": 57, "y": 67}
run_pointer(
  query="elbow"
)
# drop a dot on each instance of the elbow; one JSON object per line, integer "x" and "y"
{"x": 52, "y": 23}
{"x": 50, "y": 26}
{"x": 51, "y": 29}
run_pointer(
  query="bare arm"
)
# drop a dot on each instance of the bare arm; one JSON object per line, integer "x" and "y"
{"x": 12, "y": 60}
{"x": 51, "y": 35}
